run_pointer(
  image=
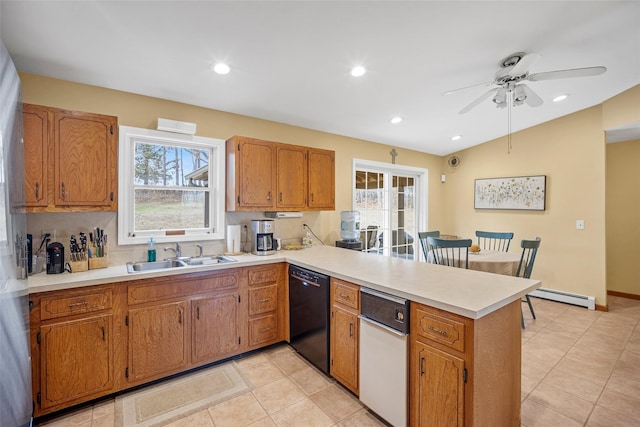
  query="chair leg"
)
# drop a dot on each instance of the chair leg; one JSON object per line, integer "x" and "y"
{"x": 522, "y": 318}
{"x": 533, "y": 313}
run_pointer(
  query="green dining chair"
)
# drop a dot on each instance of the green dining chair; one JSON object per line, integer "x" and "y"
{"x": 422, "y": 235}
{"x": 450, "y": 252}
{"x": 528, "y": 257}
{"x": 494, "y": 241}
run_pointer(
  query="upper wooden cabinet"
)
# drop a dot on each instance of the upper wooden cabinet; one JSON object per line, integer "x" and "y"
{"x": 70, "y": 160}
{"x": 267, "y": 176}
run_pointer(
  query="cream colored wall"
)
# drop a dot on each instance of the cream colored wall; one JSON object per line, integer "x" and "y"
{"x": 623, "y": 217}
{"x": 622, "y": 109}
{"x": 141, "y": 111}
{"x": 570, "y": 151}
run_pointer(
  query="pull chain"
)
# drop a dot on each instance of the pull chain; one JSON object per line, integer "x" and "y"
{"x": 510, "y": 102}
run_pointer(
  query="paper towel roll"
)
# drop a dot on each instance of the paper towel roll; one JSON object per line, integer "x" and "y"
{"x": 233, "y": 239}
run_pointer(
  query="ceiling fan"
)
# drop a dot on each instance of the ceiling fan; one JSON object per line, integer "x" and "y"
{"x": 509, "y": 81}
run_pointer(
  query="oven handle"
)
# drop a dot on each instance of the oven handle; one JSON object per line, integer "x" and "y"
{"x": 385, "y": 327}
{"x": 304, "y": 282}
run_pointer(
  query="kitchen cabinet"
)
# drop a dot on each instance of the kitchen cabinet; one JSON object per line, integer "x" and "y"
{"x": 322, "y": 177}
{"x": 344, "y": 351}
{"x": 216, "y": 327}
{"x": 267, "y": 176}
{"x": 37, "y": 134}
{"x": 267, "y": 304}
{"x": 465, "y": 372}
{"x": 72, "y": 347}
{"x": 157, "y": 340}
{"x": 70, "y": 160}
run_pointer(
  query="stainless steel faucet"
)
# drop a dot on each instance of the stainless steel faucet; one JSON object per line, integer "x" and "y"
{"x": 177, "y": 252}
{"x": 199, "y": 249}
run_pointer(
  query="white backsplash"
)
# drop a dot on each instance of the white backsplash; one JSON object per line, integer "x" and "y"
{"x": 290, "y": 230}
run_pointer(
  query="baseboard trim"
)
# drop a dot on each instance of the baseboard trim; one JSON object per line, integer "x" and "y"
{"x": 602, "y": 307}
{"x": 623, "y": 294}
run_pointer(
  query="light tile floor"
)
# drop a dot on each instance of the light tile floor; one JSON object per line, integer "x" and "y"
{"x": 579, "y": 368}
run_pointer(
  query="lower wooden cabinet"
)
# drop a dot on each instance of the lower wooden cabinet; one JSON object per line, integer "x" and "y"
{"x": 157, "y": 340}
{"x": 76, "y": 360}
{"x": 344, "y": 351}
{"x": 93, "y": 341}
{"x": 216, "y": 327}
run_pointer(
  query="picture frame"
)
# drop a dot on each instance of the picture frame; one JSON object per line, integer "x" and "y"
{"x": 511, "y": 193}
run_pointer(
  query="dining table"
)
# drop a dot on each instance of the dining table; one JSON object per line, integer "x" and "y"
{"x": 495, "y": 262}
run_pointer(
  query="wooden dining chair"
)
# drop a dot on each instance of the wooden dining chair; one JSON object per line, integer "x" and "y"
{"x": 528, "y": 257}
{"x": 494, "y": 241}
{"x": 422, "y": 235}
{"x": 453, "y": 253}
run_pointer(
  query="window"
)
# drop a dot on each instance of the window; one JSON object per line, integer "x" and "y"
{"x": 391, "y": 200}
{"x": 171, "y": 187}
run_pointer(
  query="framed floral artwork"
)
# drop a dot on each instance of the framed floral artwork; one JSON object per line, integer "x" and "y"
{"x": 517, "y": 192}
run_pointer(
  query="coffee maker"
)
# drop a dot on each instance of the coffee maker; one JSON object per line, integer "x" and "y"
{"x": 262, "y": 241}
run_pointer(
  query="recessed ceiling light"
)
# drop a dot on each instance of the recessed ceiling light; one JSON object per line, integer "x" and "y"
{"x": 221, "y": 68}
{"x": 560, "y": 97}
{"x": 456, "y": 137}
{"x": 396, "y": 120}
{"x": 358, "y": 71}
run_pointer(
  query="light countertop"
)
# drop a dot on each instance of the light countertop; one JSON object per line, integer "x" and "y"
{"x": 468, "y": 293}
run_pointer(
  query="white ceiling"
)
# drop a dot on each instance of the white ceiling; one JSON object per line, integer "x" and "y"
{"x": 290, "y": 60}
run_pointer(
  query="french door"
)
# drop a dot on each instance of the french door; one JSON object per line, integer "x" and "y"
{"x": 391, "y": 200}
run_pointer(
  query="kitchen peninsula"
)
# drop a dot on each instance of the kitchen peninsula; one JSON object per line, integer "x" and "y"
{"x": 475, "y": 317}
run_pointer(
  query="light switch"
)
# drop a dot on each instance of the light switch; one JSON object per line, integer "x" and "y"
{"x": 580, "y": 224}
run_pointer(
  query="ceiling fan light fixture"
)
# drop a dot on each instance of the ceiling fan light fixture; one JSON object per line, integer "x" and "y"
{"x": 519, "y": 95}
{"x": 358, "y": 71}
{"x": 561, "y": 97}
{"x": 500, "y": 98}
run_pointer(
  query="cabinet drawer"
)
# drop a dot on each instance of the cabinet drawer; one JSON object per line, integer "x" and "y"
{"x": 163, "y": 288}
{"x": 75, "y": 303}
{"x": 445, "y": 330}
{"x": 346, "y": 294}
{"x": 259, "y": 276}
{"x": 263, "y": 329}
{"x": 263, "y": 299}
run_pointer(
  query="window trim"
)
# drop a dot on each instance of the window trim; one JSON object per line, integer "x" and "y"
{"x": 126, "y": 177}
{"x": 422, "y": 185}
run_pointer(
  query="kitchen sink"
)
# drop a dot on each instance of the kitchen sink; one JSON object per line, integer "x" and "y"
{"x": 213, "y": 259}
{"x": 136, "y": 267}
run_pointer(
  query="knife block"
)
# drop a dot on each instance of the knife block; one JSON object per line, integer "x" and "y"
{"x": 98, "y": 262}
{"x": 77, "y": 266}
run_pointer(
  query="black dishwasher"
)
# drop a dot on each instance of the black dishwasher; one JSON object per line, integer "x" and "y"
{"x": 309, "y": 315}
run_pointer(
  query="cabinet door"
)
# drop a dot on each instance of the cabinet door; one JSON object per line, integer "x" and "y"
{"x": 215, "y": 327}
{"x": 36, "y": 154}
{"x": 76, "y": 359}
{"x": 157, "y": 340}
{"x": 321, "y": 179}
{"x": 292, "y": 177}
{"x": 85, "y": 159}
{"x": 256, "y": 170}
{"x": 439, "y": 387}
{"x": 344, "y": 347}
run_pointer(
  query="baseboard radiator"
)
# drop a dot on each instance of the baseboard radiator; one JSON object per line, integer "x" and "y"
{"x": 569, "y": 298}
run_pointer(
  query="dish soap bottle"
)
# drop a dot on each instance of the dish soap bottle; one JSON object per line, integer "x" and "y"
{"x": 306, "y": 240}
{"x": 151, "y": 252}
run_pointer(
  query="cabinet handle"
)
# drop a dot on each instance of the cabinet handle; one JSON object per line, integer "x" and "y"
{"x": 264, "y": 330}
{"x": 281, "y": 196}
{"x": 311, "y": 197}
{"x": 264, "y": 300}
{"x": 437, "y": 330}
{"x": 76, "y": 304}
{"x": 180, "y": 316}
{"x": 344, "y": 296}
{"x": 198, "y": 313}
{"x": 269, "y": 196}
{"x": 62, "y": 190}
{"x": 421, "y": 366}
{"x": 103, "y": 333}
{"x": 350, "y": 329}
{"x": 37, "y": 190}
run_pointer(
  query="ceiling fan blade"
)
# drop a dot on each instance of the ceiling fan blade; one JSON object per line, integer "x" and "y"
{"x": 532, "y": 100}
{"x": 565, "y": 74}
{"x": 522, "y": 67}
{"x": 478, "y": 101}
{"x": 467, "y": 87}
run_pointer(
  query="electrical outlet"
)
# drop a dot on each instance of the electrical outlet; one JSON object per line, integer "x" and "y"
{"x": 580, "y": 224}
{"x": 51, "y": 232}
